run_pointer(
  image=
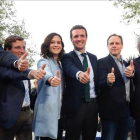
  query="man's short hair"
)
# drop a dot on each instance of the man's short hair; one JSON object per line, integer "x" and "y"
{"x": 117, "y": 36}
{"x": 77, "y": 27}
{"x": 9, "y": 40}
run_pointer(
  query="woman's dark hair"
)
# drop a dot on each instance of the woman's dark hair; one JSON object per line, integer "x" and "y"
{"x": 45, "y": 46}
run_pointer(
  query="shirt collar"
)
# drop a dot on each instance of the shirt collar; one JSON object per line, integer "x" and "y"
{"x": 79, "y": 53}
{"x": 117, "y": 59}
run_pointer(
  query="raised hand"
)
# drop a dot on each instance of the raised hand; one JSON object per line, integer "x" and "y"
{"x": 55, "y": 81}
{"x": 22, "y": 64}
{"x": 129, "y": 70}
{"x": 38, "y": 74}
{"x": 84, "y": 76}
{"x": 111, "y": 77}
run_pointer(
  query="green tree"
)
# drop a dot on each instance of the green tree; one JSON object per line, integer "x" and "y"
{"x": 131, "y": 12}
{"x": 9, "y": 25}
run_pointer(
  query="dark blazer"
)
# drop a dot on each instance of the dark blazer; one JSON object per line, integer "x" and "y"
{"x": 12, "y": 94}
{"x": 6, "y": 58}
{"x": 112, "y": 99}
{"x": 74, "y": 90}
{"x": 136, "y": 96}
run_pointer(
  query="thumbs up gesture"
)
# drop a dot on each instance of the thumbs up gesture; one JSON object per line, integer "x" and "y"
{"x": 22, "y": 64}
{"x": 38, "y": 74}
{"x": 55, "y": 81}
{"x": 84, "y": 76}
{"x": 111, "y": 77}
{"x": 129, "y": 70}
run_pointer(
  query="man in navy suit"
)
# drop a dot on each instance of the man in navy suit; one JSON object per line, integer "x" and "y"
{"x": 79, "y": 106}
{"x": 114, "y": 96}
{"x": 15, "y": 113}
{"x": 9, "y": 60}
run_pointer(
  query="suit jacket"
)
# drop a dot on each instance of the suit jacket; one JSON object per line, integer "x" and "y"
{"x": 12, "y": 92}
{"x": 136, "y": 96}
{"x": 6, "y": 58}
{"x": 74, "y": 91}
{"x": 112, "y": 99}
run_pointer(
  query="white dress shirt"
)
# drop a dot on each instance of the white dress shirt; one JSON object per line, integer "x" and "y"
{"x": 91, "y": 84}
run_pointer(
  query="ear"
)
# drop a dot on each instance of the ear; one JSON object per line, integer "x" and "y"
{"x": 7, "y": 49}
{"x": 122, "y": 46}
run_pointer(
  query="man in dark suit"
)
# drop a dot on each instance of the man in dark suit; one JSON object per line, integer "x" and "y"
{"x": 15, "y": 113}
{"x": 9, "y": 60}
{"x": 79, "y": 106}
{"x": 136, "y": 96}
{"x": 114, "y": 95}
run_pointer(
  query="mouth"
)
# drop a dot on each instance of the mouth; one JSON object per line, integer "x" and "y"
{"x": 79, "y": 43}
{"x": 56, "y": 49}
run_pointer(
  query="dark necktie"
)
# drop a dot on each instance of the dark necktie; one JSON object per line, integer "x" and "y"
{"x": 87, "y": 88}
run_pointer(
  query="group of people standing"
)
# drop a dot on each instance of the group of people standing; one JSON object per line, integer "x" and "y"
{"x": 73, "y": 88}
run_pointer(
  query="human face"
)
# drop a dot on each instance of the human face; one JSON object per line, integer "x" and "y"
{"x": 55, "y": 46}
{"x": 18, "y": 48}
{"x": 115, "y": 46}
{"x": 79, "y": 39}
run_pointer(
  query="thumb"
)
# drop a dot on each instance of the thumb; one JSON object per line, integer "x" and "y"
{"x": 43, "y": 67}
{"x": 131, "y": 64}
{"x": 112, "y": 70}
{"x": 24, "y": 56}
{"x": 57, "y": 73}
{"x": 88, "y": 70}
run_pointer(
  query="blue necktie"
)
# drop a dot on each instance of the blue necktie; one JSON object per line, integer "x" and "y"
{"x": 87, "y": 88}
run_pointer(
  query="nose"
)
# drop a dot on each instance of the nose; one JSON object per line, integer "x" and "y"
{"x": 22, "y": 49}
{"x": 79, "y": 38}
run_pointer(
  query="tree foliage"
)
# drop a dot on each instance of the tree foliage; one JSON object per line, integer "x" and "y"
{"x": 9, "y": 25}
{"x": 131, "y": 10}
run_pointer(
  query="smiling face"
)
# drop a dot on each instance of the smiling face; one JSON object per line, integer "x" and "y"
{"x": 115, "y": 46}
{"x": 55, "y": 46}
{"x": 79, "y": 39}
{"x": 18, "y": 48}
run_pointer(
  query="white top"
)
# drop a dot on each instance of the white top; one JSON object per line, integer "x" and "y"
{"x": 26, "y": 100}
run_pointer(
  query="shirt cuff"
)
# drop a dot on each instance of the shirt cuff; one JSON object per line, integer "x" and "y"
{"x": 29, "y": 77}
{"x": 110, "y": 84}
{"x": 77, "y": 75}
{"x": 14, "y": 64}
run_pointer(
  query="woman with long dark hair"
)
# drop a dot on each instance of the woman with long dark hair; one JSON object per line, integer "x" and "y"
{"x": 48, "y": 103}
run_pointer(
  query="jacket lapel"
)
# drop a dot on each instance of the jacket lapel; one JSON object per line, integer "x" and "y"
{"x": 77, "y": 61}
{"x": 116, "y": 69}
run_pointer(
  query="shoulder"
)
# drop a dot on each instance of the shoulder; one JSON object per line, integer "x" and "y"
{"x": 103, "y": 59}
{"x": 137, "y": 60}
{"x": 92, "y": 55}
{"x": 70, "y": 54}
{"x": 44, "y": 61}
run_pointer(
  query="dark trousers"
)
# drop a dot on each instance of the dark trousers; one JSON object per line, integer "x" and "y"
{"x": 85, "y": 123}
{"x": 138, "y": 130}
{"x": 60, "y": 131}
{"x": 116, "y": 130}
{"x": 22, "y": 129}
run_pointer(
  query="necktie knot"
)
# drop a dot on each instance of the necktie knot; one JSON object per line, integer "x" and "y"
{"x": 83, "y": 54}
